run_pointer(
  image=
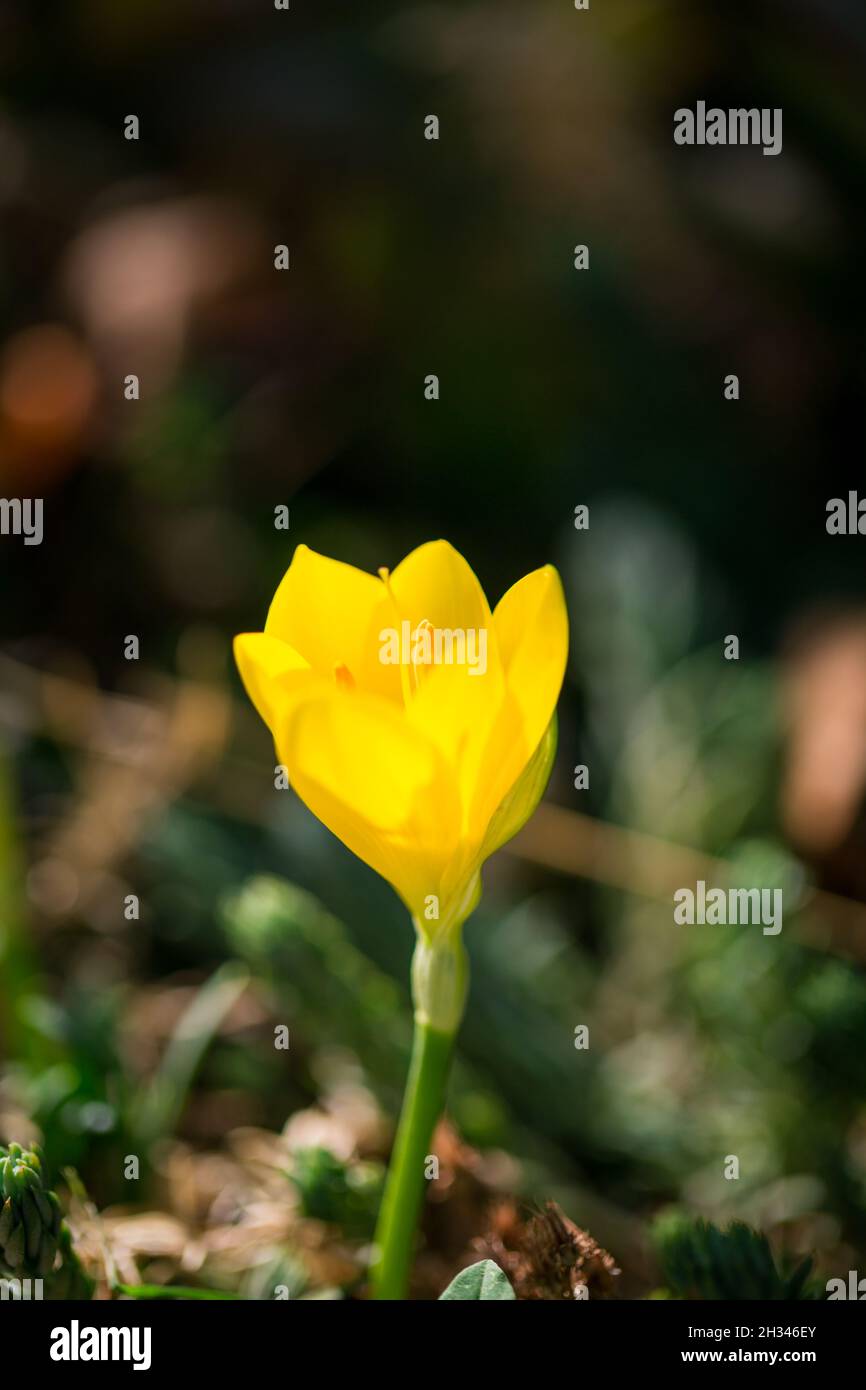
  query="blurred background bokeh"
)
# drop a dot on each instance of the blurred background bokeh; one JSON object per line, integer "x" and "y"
{"x": 164, "y": 908}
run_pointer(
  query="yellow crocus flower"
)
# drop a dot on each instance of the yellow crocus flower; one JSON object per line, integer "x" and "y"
{"x": 420, "y": 728}
{"x": 414, "y": 723}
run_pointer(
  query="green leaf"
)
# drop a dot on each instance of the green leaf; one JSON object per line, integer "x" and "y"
{"x": 484, "y": 1280}
{"x": 148, "y": 1291}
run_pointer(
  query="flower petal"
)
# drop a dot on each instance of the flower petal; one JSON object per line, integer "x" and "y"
{"x": 532, "y": 630}
{"x": 459, "y": 711}
{"x": 332, "y": 614}
{"x": 272, "y": 672}
{"x": 456, "y": 701}
{"x": 381, "y": 786}
{"x": 520, "y": 802}
{"x": 435, "y": 584}
{"x": 532, "y": 639}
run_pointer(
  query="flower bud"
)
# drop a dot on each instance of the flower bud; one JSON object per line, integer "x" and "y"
{"x": 30, "y": 1215}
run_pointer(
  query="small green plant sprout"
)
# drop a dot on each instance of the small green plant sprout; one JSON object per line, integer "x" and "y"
{"x": 701, "y": 1261}
{"x": 343, "y": 1194}
{"x": 30, "y": 1217}
{"x": 34, "y": 1239}
{"x": 484, "y": 1280}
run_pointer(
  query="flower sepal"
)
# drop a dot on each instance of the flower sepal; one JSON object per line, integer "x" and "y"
{"x": 440, "y": 980}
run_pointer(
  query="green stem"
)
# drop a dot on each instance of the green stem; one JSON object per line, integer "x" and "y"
{"x": 422, "y": 1104}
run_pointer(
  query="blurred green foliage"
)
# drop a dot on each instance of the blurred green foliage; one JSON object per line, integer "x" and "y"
{"x": 346, "y": 1195}
{"x": 700, "y": 1261}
